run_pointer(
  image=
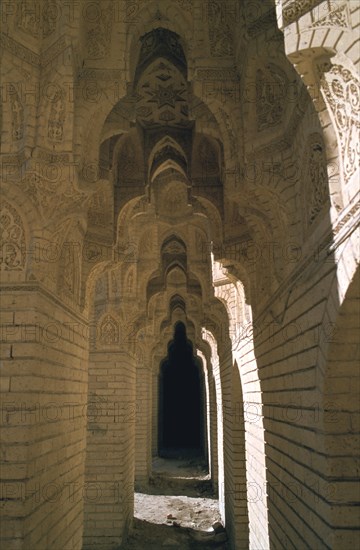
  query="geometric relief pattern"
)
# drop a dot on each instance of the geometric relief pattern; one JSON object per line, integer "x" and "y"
{"x": 162, "y": 95}
{"x": 12, "y": 239}
{"x": 341, "y": 93}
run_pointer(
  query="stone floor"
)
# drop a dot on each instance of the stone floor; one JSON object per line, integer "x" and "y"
{"x": 177, "y": 509}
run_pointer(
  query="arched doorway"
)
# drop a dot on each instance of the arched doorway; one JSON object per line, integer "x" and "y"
{"x": 181, "y": 400}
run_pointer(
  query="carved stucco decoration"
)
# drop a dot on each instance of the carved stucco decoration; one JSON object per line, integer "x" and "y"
{"x": 49, "y": 17}
{"x": 162, "y": 110}
{"x": 217, "y": 74}
{"x": 162, "y": 95}
{"x": 132, "y": 10}
{"x": 316, "y": 183}
{"x": 220, "y": 28}
{"x": 294, "y": 9}
{"x": 161, "y": 43}
{"x": 174, "y": 247}
{"x": 341, "y": 92}
{"x": 17, "y": 114}
{"x": 19, "y": 51}
{"x": 337, "y": 17}
{"x": 28, "y": 17}
{"x": 109, "y": 331}
{"x": 51, "y": 197}
{"x": 57, "y": 117}
{"x": 55, "y": 49}
{"x": 97, "y": 213}
{"x": 231, "y": 136}
{"x": 49, "y": 253}
{"x": 98, "y": 36}
{"x": 68, "y": 274}
{"x": 38, "y": 19}
{"x": 12, "y": 239}
{"x": 185, "y": 5}
{"x": 271, "y": 84}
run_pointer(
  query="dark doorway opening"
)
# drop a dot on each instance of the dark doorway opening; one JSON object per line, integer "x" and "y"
{"x": 181, "y": 400}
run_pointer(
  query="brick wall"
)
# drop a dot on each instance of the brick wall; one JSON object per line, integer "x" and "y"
{"x": 109, "y": 472}
{"x": 236, "y": 497}
{"x": 44, "y": 377}
{"x": 143, "y": 424}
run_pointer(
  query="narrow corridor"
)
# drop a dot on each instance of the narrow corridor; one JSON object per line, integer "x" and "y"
{"x": 177, "y": 510}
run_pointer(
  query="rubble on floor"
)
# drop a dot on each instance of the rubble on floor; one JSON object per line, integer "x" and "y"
{"x": 177, "y": 510}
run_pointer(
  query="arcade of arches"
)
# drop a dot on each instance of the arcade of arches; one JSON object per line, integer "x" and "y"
{"x": 179, "y": 265}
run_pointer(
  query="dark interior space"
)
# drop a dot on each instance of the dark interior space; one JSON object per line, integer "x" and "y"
{"x": 181, "y": 406}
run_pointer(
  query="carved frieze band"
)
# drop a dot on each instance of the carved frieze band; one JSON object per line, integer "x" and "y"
{"x": 334, "y": 15}
{"x": 294, "y": 9}
{"x": 20, "y": 51}
{"x": 216, "y": 74}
